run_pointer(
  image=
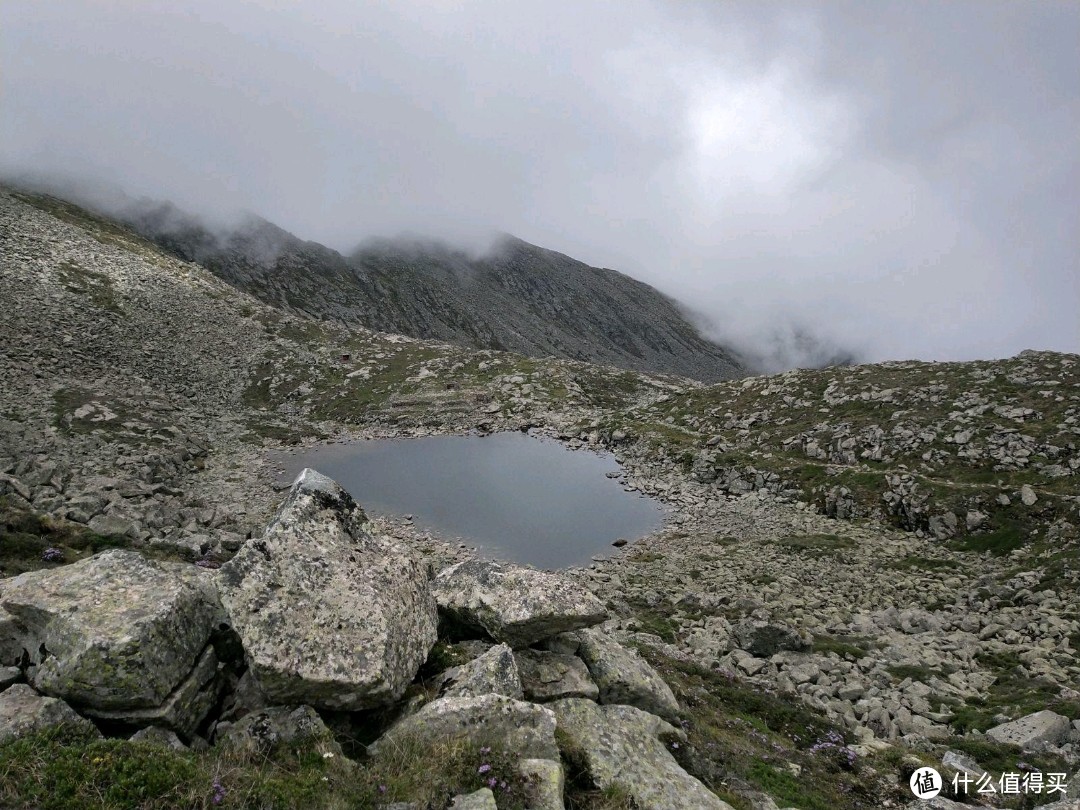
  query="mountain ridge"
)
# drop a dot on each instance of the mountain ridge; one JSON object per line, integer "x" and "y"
{"x": 515, "y": 297}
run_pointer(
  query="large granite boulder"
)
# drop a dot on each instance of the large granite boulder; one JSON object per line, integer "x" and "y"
{"x": 625, "y": 677}
{"x": 626, "y": 747}
{"x": 329, "y": 615}
{"x": 1031, "y": 731}
{"x": 512, "y": 725}
{"x": 23, "y": 711}
{"x": 512, "y": 604}
{"x": 114, "y": 632}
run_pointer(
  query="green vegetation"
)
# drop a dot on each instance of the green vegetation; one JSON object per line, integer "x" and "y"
{"x": 999, "y": 542}
{"x": 1014, "y": 693}
{"x": 30, "y": 542}
{"x": 98, "y": 287}
{"x": 65, "y": 769}
{"x": 854, "y": 646}
{"x": 741, "y": 739}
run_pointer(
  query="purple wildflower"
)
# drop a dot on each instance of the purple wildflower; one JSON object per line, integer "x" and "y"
{"x": 52, "y": 554}
{"x": 382, "y": 788}
{"x": 492, "y": 782}
{"x": 219, "y": 792}
{"x": 484, "y": 768}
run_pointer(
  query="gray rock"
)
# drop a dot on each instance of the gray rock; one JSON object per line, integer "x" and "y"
{"x": 156, "y": 735}
{"x": 8, "y": 676}
{"x": 358, "y": 620}
{"x": 483, "y": 799}
{"x": 515, "y": 605}
{"x": 764, "y": 639}
{"x": 23, "y": 711}
{"x": 551, "y": 676}
{"x": 545, "y": 783}
{"x": 184, "y": 710}
{"x": 1028, "y": 496}
{"x": 514, "y": 725}
{"x": 261, "y": 731}
{"x": 1030, "y": 731}
{"x": 623, "y": 676}
{"x": 114, "y": 631}
{"x": 963, "y": 764}
{"x": 111, "y": 526}
{"x": 13, "y": 639}
{"x": 624, "y": 746}
{"x": 493, "y": 673}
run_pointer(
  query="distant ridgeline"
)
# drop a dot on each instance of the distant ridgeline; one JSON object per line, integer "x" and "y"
{"x": 518, "y": 297}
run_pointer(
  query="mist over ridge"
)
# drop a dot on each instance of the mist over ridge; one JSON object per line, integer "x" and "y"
{"x": 812, "y": 183}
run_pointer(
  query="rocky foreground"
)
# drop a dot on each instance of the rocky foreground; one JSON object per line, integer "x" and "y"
{"x": 866, "y": 571}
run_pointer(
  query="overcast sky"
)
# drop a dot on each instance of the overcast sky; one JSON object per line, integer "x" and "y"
{"x": 900, "y": 179}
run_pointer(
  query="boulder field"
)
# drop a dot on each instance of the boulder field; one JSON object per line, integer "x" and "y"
{"x": 320, "y": 615}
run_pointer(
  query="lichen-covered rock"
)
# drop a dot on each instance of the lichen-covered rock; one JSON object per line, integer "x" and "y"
{"x": 493, "y": 673}
{"x": 764, "y": 639}
{"x": 260, "y": 732}
{"x": 23, "y": 711}
{"x": 1032, "y": 730}
{"x": 184, "y": 710}
{"x": 626, "y": 747}
{"x": 625, "y": 677}
{"x": 114, "y": 631}
{"x": 544, "y": 783}
{"x": 512, "y": 604}
{"x": 551, "y": 676}
{"x": 513, "y": 725}
{"x": 328, "y": 614}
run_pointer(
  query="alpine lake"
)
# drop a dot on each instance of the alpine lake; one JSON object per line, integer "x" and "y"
{"x": 515, "y": 496}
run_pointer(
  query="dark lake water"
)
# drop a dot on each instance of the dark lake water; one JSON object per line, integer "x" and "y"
{"x": 518, "y": 497}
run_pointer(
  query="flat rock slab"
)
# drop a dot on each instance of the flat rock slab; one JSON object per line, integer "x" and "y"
{"x": 23, "y": 711}
{"x": 551, "y": 676}
{"x": 1030, "y": 731}
{"x": 626, "y": 747}
{"x": 625, "y": 677}
{"x": 512, "y": 604}
{"x": 495, "y": 672}
{"x": 329, "y": 615}
{"x": 513, "y": 725}
{"x": 114, "y": 631}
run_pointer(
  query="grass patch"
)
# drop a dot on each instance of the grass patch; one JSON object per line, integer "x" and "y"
{"x": 25, "y": 537}
{"x": 97, "y": 287}
{"x": 1013, "y": 693}
{"x": 914, "y": 562}
{"x": 998, "y": 543}
{"x": 66, "y": 769}
{"x": 854, "y": 646}
{"x": 740, "y": 739}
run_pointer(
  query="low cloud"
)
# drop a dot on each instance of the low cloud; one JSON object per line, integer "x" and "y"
{"x": 880, "y": 181}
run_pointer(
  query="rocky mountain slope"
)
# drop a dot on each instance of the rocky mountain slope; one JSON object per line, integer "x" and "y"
{"x": 517, "y": 297}
{"x": 866, "y": 571}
